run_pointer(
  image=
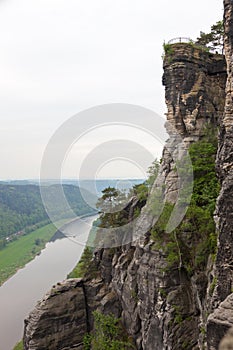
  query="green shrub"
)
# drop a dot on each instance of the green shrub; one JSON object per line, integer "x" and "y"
{"x": 167, "y": 51}
{"x": 108, "y": 334}
{"x": 141, "y": 191}
{"x": 19, "y": 346}
{"x": 85, "y": 266}
{"x": 198, "y": 226}
{"x": 212, "y": 286}
{"x": 178, "y": 318}
{"x": 87, "y": 342}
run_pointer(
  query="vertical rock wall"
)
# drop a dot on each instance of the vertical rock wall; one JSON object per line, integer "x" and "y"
{"x": 194, "y": 83}
{"x": 194, "y": 89}
{"x": 221, "y": 319}
{"x": 163, "y": 309}
{"x": 224, "y": 214}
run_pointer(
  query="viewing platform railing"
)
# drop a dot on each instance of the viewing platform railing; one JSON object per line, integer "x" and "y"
{"x": 180, "y": 40}
{"x": 184, "y": 40}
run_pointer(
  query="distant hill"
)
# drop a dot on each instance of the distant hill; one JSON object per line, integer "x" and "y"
{"x": 88, "y": 184}
{"x": 21, "y": 207}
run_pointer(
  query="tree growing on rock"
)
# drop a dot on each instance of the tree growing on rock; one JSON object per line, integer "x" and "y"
{"x": 213, "y": 40}
{"x": 108, "y": 200}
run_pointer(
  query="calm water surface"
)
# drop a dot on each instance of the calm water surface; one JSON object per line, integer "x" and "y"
{"x": 20, "y": 293}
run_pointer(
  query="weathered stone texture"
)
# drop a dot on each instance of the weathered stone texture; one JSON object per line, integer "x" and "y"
{"x": 227, "y": 341}
{"x": 219, "y": 323}
{"x": 221, "y": 319}
{"x": 59, "y": 319}
{"x": 194, "y": 89}
{"x": 150, "y": 299}
{"x": 64, "y": 316}
{"x": 224, "y": 212}
{"x": 195, "y": 83}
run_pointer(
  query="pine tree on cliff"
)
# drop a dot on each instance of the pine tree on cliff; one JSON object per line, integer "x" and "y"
{"x": 214, "y": 39}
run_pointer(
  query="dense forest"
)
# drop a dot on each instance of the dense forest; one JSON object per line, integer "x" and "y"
{"x": 22, "y": 210}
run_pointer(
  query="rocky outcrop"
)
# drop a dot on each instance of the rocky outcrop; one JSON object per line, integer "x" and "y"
{"x": 219, "y": 323}
{"x": 59, "y": 319}
{"x": 194, "y": 83}
{"x": 64, "y": 315}
{"x": 227, "y": 342}
{"x": 154, "y": 302}
{"x": 161, "y": 307}
{"x": 194, "y": 89}
{"x": 221, "y": 319}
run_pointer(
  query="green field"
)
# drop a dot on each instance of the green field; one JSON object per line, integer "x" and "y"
{"x": 18, "y": 253}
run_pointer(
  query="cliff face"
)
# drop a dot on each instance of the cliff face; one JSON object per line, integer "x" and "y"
{"x": 59, "y": 319}
{"x": 194, "y": 89}
{"x": 194, "y": 83}
{"x": 221, "y": 319}
{"x": 161, "y": 308}
{"x": 224, "y": 212}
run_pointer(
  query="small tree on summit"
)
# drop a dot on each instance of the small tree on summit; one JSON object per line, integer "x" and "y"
{"x": 213, "y": 40}
{"x": 218, "y": 35}
{"x": 108, "y": 200}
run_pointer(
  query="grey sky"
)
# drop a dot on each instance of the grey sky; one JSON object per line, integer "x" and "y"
{"x": 59, "y": 57}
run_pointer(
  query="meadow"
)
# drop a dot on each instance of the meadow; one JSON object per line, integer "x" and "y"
{"x": 18, "y": 253}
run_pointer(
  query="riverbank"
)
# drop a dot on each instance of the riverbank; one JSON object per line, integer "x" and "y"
{"x": 59, "y": 233}
{"x": 20, "y": 293}
{"x": 18, "y": 253}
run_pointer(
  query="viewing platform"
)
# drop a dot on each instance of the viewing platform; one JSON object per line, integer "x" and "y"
{"x": 181, "y": 40}
{"x": 185, "y": 40}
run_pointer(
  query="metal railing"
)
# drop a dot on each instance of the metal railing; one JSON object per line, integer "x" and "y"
{"x": 180, "y": 40}
{"x": 184, "y": 40}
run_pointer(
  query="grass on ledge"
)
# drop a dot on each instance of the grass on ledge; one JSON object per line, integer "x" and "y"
{"x": 19, "y": 346}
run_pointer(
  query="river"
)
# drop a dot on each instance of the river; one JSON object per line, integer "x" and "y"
{"x": 19, "y": 294}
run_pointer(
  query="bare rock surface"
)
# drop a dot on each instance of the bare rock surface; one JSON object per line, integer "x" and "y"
{"x": 62, "y": 318}
{"x": 59, "y": 319}
{"x": 219, "y": 322}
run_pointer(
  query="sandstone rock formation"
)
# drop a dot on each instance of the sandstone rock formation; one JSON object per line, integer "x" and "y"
{"x": 194, "y": 83}
{"x": 219, "y": 322}
{"x": 227, "y": 342}
{"x": 161, "y": 308}
{"x": 64, "y": 315}
{"x": 59, "y": 319}
{"x": 224, "y": 212}
{"x": 221, "y": 319}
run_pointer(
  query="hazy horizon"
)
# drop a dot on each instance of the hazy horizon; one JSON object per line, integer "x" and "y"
{"x": 73, "y": 179}
{"x": 62, "y": 57}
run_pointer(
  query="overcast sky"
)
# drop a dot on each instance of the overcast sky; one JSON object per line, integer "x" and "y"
{"x": 59, "y": 57}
